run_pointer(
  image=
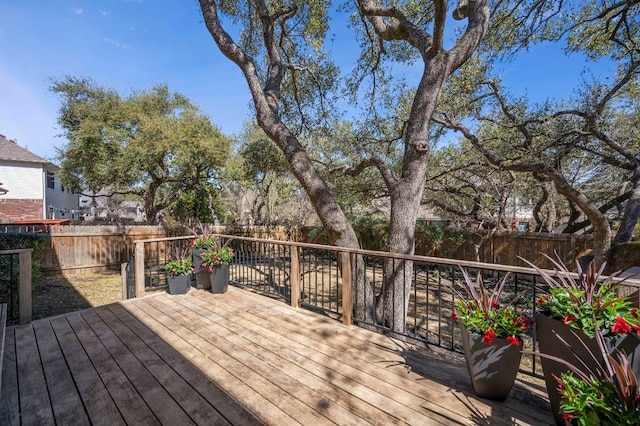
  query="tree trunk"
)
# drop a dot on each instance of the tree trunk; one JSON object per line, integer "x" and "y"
{"x": 601, "y": 228}
{"x": 406, "y": 195}
{"x": 631, "y": 212}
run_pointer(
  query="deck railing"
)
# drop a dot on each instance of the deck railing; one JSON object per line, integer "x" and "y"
{"x": 324, "y": 278}
{"x": 15, "y": 284}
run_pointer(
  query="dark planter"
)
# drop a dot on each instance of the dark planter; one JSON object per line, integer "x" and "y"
{"x": 549, "y": 333}
{"x": 219, "y": 279}
{"x": 202, "y": 279}
{"x": 492, "y": 368}
{"x": 178, "y": 284}
{"x": 196, "y": 259}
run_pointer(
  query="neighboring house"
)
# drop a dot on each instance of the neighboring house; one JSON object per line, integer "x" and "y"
{"x": 110, "y": 208}
{"x": 34, "y": 191}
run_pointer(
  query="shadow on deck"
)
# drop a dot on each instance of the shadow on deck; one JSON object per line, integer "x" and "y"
{"x": 237, "y": 358}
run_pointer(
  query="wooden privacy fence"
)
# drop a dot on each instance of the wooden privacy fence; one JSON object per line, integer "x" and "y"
{"x": 73, "y": 248}
{"x": 507, "y": 248}
{"x": 108, "y": 247}
{"x": 77, "y": 248}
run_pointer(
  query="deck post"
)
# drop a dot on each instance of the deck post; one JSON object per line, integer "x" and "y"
{"x": 295, "y": 276}
{"x": 123, "y": 281}
{"x": 347, "y": 285}
{"x": 139, "y": 268}
{"x": 24, "y": 286}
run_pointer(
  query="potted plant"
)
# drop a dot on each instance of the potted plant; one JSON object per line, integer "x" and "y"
{"x": 204, "y": 241}
{"x": 574, "y": 309}
{"x": 491, "y": 337}
{"x": 216, "y": 262}
{"x": 179, "y": 273}
{"x": 607, "y": 395}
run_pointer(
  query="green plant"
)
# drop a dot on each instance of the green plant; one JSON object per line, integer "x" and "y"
{"x": 23, "y": 240}
{"x": 205, "y": 239}
{"x": 180, "y": 265}
{"x": 204, "y": 243}
{"x": 606, "y": 396}
{"x": 483, "y": 313}
{"x": 587, "y": 302}
{"x": 220, "y": 254}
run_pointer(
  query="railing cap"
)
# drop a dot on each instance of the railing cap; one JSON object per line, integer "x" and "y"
{"x": 16, "y": 251}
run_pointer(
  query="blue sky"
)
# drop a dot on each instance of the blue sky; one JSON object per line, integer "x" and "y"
{"x": 133, "y": 44}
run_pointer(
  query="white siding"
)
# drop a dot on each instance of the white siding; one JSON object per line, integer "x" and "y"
{"x": 24, "y": 181}
{"x": 60, "y": 204}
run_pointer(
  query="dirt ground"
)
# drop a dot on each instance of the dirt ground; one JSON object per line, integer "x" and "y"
{"x": 56, "y": 295}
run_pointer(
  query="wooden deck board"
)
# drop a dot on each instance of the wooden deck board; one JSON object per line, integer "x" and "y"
{"x": 229, "y": 409}
{"x": 9, "y": 403}
{"x": 355, "y": 349}
{"x": 374, "y": 366}
{"x": 35, "y": 407}
{"x": 237, "y": 358}
{"x": 130, "y": 404}
{"x": 96, "y": 399}
{"x": 296, "y": 381}
{"x": 65, "y": 400}
{"x": 188, "y": 399}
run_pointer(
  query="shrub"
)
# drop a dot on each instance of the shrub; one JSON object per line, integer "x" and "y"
{"x": 25, "y": 240}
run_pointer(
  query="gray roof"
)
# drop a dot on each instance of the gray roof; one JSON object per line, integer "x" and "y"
{"x": 11, "y": 151}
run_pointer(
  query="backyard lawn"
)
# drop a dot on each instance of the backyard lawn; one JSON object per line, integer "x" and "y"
{"x": 57, "y": 294}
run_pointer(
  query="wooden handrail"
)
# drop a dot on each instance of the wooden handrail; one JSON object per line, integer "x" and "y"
{"x": 155, "y": 240}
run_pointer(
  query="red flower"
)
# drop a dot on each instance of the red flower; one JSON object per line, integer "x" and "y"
{"x": 193, "y": 243}
{"x": 526, "y": 323}
{"x": 542, "y": 300}
{"x": 557, "y": 379}
{"x": 621, "y": 326}
{"x": 569, "y": 318}
{"x": 489, "y": 335}
{"x": 513, "y": 340}
{"x": 454, "y": 317}
{"x": 634, "y": 313}
{"x": 567, "y": 416}
{"x": 495, "y": 304}
{"x": 637, "y": 330}
{"x": 210, "y": 270}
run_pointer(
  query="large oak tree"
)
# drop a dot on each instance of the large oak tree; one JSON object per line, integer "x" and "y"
{"x": 152, "y": 144}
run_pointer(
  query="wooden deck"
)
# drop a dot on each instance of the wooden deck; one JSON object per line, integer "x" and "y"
{"x": 238, "y": 358}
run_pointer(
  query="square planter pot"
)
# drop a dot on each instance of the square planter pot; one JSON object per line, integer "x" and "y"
{"x": 178, "y": 284}
{"x": 196, "y": 259}
{"x": 219, "y": 279}
{"x": 203, "y": 280}
{"x": 549, "y": 333}
{"x": 492, "y": 368}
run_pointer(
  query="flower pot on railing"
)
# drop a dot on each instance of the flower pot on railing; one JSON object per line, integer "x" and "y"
{"x": 492, "y": 367}
{"x": 219, "y": 279}
{"x": 178, "y": 284}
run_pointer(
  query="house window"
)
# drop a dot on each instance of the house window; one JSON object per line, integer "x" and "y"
{"x": 50, "y": 180}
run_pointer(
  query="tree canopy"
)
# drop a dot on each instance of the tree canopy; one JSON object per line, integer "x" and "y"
{"x": 280, "y": 50}
{"x": 152, "y": 144}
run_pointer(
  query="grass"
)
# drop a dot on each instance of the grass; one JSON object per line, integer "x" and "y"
{"x": 57, "y": 294}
